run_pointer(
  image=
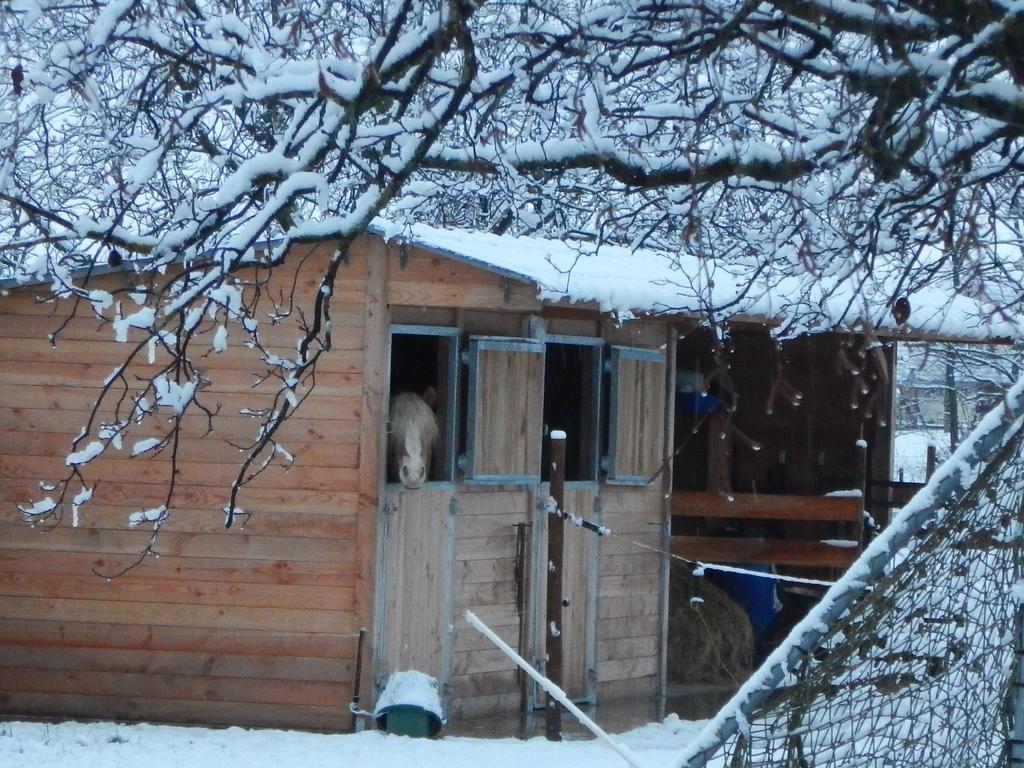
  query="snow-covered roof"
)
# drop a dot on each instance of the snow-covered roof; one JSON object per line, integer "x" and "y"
{"x": 639, "y": 281}
{"x": 629, "y": 281}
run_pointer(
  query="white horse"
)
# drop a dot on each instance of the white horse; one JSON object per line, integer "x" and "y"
{"x": 413, "y": 438}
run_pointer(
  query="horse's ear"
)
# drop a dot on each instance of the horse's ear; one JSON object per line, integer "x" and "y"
{"x": 430, "y": 397}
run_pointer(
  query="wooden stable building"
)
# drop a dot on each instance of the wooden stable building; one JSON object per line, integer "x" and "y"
{"x": 258, "y": 625}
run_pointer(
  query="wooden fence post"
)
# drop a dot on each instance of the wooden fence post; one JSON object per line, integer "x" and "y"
{"x": 861, "y": 453}
{"x": 930, "y": 463}
{"x": 553, "y": 612}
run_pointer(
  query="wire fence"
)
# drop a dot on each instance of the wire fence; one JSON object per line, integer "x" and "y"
{"x": 910, "y": 660}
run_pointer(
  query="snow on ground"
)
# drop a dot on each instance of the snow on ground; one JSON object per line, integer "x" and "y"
{"x": 108, "y": 745}
{"x": 911, "y": 453}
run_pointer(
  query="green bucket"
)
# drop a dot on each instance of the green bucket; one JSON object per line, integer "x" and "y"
{"x": 409, "y": 720}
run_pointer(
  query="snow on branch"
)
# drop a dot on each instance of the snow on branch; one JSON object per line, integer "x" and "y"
{"x": 865, "y": 152}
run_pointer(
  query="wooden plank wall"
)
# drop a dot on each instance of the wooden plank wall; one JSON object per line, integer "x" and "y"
{"x": 581, "y": 545}
{"x": 577, "y": 623}
{"x": 252, "y": 626}
{"x": 484, "y": 680}
{"x": 632, "y": 609}
{"x": 417, "y": 612}
{"x": 629, "y": 613}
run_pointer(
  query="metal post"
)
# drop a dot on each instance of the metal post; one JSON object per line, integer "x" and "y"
{"x": 357, "y": 680}
{"x": 553, "y": 612}
{"x": 519, "y": 572}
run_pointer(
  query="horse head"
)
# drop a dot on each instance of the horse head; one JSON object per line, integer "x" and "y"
{"x": 413, "y": 438}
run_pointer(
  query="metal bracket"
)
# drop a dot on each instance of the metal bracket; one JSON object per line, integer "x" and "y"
{"x": 389, "y": 508}
{"x": 453, "y": 506}
{"x": 403, "y": 256}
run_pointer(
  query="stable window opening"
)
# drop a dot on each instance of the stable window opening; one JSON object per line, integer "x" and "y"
{"x": 572, "y": 396}
{"x": 422, "y": 405}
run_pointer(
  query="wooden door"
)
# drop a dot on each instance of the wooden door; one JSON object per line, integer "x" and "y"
{"x": 579, "y": 582}
{"x": 415, "y": 584}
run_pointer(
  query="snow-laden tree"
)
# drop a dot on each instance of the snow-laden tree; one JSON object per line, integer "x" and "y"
{"x": 845, "y": 145}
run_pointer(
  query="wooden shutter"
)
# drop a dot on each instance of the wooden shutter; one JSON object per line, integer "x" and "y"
{"x": 503, "y": 431}
{"x": 636, "y": 423}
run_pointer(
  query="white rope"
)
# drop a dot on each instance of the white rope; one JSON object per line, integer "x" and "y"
{"x": 702, "y": 566}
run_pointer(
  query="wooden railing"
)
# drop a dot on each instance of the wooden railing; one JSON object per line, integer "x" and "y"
{"x": 893, "y": 494}
{"x": 846, "y": 512}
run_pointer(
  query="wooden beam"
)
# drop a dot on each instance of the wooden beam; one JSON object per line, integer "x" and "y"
{"x": 712, "y": 549}
{"x": 894, "y": 494}
{"x": 373, "y": 253}
{"x": 766, "y": 506}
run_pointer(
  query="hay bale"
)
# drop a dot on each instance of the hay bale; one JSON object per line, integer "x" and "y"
{"x": 710, "y": 641}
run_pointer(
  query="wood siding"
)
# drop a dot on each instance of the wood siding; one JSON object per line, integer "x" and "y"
{"x": 257, "y": 625}
{"x": 417, "y": 552}
{"x": 629, "y": 599}
{"x": 250, "y": 626}
{"x": 579, "y": 575}
{"x": 484, "y": 680}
